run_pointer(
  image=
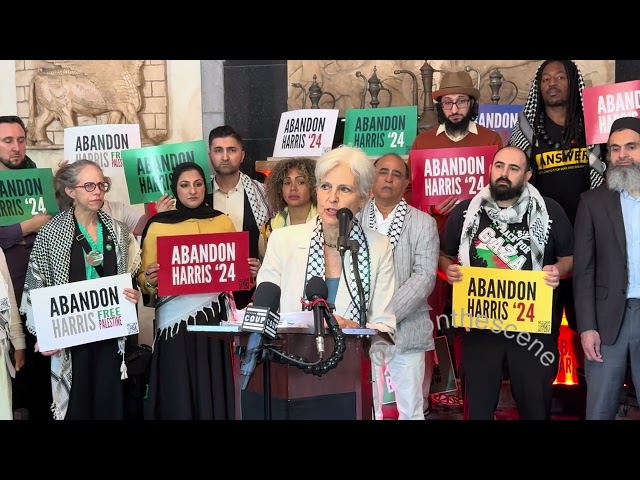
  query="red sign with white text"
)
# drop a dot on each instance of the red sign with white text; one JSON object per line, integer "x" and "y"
{"x": 606, "y": 103}
{"x": 203, "y": 263}
{"x": 439, "y": 173}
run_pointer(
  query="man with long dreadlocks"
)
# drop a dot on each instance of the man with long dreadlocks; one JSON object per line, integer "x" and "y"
{"x": 551, "y": 132}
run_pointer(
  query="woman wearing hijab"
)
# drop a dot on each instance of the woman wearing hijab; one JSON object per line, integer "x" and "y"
{"x": 297, "y": 253}
{"x": 191, "y": 375}
{"x": 83, "y": 243}
{"x": 291, "y": 192}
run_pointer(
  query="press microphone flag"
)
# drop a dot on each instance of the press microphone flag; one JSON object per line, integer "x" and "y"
{"x": 261, "y": 319}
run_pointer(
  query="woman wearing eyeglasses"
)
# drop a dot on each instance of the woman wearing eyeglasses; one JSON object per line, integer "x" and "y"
{"x": 83, "y": 243}
{"x": 122, "y": 212}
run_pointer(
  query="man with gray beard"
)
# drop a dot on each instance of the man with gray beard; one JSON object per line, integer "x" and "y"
{"x": 606, "y": 273}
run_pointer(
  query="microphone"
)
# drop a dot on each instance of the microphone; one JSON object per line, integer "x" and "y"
{"x": 261, "y": 319}
{"x": 315, "y": 289}
{"x": 344, "y": 219}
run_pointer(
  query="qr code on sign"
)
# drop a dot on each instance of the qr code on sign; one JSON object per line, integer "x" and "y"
{"x": 132, "y": 328}
{"x": 544, "y": 327}
{"x": 243, "y": 284}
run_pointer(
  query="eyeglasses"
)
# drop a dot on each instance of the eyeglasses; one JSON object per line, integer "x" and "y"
{"x": 460, "y": 103}
{"x": 91, "y": 186}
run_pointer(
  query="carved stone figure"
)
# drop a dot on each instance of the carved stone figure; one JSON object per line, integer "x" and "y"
{"x": 84, "y": 87}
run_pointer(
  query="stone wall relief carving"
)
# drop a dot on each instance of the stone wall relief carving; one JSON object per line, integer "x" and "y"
{"x": 55, "y": 94}
{"x": 339, "y": 77}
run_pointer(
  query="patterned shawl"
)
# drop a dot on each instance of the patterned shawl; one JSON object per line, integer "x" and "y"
{"x": 522, "y": 135}
{"x": 49, "y": 265}
{"x": 315, "y": 266}
{"x": 530, "y": 204}
{"x": 257, "y": 199}
{"x": 395, "y": 229}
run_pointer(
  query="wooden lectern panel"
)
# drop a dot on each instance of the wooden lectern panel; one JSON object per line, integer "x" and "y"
{"x": 289, "y": 383}
{"x": 345, "y": 392}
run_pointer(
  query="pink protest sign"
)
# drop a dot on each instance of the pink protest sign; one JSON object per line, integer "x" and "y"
{"x": 203, "y": 263}
{"x": 439, "y": 173}
{"x": 606, "y": 103}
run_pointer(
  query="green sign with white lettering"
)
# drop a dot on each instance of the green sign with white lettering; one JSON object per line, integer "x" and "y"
{"x": 148, "y": 170}
{"x": 25, "y": 193}
{"x": 378, "y": 131}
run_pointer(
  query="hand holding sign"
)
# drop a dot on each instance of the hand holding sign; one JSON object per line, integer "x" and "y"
{"x": 132, "y": 294}
{"x": 47, "y": 353}
{"x": 446, "y": 206}
{"x": 552, "y": 278}
{"x": 454, "y": 274}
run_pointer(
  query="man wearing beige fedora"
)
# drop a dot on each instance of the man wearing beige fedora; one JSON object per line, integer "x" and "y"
{"x": 457, "y": 104}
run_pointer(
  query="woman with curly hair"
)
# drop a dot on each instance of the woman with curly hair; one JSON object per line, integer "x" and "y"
{"x": 291, "y": 192}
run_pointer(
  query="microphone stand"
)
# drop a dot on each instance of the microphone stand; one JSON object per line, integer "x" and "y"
{"x": 265, "y": 360}
{"x": 266, "y": 382}
{"x": 353, "y": 248}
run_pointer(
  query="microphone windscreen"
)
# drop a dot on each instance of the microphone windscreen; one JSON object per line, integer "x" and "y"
{"x": 267, "y": 294}
{"x": 316, "y": 287}
{"x": 345, "y": 211}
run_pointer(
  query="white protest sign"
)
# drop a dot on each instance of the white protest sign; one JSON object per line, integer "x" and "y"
{"x": 305, "y": 133}
{"x": 83, "y": 312}
{"x": 103, "y": 144}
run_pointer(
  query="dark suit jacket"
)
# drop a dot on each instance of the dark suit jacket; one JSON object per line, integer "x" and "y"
{"x": 600, "y": 274}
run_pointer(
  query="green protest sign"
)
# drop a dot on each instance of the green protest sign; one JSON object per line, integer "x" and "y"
{"x": 148, "y": 170}
{"x": 381, "y": 130}
{"x": 389, "y": 393}
{"x": 25, "y": 193}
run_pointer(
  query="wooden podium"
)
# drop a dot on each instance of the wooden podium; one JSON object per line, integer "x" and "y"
{"x": 343, "y": 393}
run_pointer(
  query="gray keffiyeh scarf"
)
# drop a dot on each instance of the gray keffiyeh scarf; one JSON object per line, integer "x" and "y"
{"x": 49, "y": 265}
{"x": 395, "y": 229}
{"x": 315, "y": 266}
{"x": 523, "y": 133}
{"x": 530, "y": 204}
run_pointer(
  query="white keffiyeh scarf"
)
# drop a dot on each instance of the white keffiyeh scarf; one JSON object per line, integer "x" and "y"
{"x": 530, "y": 204}
{"x": 315, "y": 266}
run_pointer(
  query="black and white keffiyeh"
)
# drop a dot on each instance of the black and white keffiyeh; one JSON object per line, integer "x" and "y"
{"x": 523, "y": 133}
{"x": 49, "y": 265}
{"x": 315, "y": 265}
{"x": 395, "y": 229}
{"x": 530, "y": 204}
{"x": 257, "y": 199}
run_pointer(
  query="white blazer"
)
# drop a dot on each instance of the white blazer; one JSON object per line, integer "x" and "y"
{"x": 285, "y": 264}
